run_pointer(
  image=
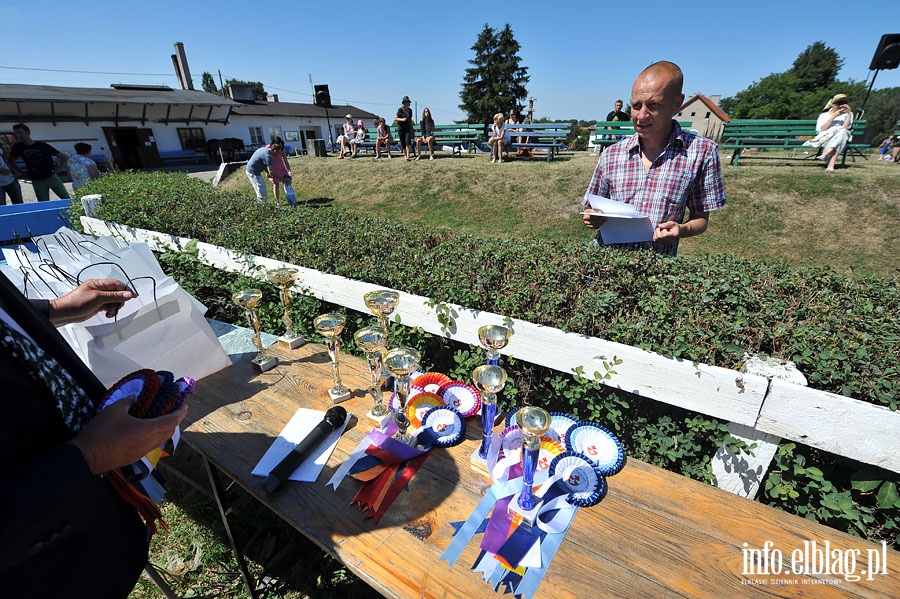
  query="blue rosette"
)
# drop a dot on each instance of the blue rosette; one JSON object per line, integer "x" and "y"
{"x": 560, "y": 423}
{"x": 581, "y": 477}
{"x": 442, "y": 426}
{"x": 511, "y": 418}
{"x": 598, "y": 444}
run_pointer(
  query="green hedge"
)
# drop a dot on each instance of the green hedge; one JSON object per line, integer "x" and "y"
{"x": 842, "y": 333}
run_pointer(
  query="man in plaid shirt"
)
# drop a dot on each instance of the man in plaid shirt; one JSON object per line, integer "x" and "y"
{"x": 662, "y": 170}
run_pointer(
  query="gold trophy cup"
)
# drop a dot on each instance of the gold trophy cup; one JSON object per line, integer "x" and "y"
{"x": 489, "y": 380}
{"x": 402, "y": 362}
{"x": 249, "y": 299}
{"x": 382, "y": 304}
{"x": 493, "y": 338}
{"x": 371, "y": 340}
{"x": 284, "y": 278}
{"x": 534, "y": 422}
{"x": 330, "y": 326}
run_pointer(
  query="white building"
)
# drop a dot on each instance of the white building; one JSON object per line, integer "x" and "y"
{"x": 138, "y": 126}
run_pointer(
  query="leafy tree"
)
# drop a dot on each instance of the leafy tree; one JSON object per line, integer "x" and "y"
{"x": 496, "y": 81}
{"x": 799, "y": 93}
{"x": 882, "y": 112}
{"x": 816, "y": 66}
{"x": 209, "y": 84}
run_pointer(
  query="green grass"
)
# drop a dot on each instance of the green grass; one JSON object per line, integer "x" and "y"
{"x": 777, "y": 209}
{"x": 792, "y": 211}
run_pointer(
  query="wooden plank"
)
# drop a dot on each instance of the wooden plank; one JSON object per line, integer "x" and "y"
{"x": 833, "y": 423}
{"x": 656, "y": 534}
{"x": 718, "y": 392}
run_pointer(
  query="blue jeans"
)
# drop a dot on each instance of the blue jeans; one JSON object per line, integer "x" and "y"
{"x": 259, "y": 185}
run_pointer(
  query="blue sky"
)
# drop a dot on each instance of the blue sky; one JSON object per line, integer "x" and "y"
{"x": 578, "y": 67}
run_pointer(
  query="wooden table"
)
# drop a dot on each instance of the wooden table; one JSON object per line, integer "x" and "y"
{"x": 656, "y": 534}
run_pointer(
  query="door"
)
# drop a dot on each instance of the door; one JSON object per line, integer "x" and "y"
{"x": 147, "y": 148}
{"x": 112, "y": 142}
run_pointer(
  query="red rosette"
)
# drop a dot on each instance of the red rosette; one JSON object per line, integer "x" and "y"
{"x": 465, "y": 398}
{"x": 431, "y": 379}
{"x": 420, "y": 405}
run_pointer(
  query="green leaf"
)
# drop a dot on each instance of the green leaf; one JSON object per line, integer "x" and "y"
{"x": 887, "y": 496}
{"x": 862, "y": 482}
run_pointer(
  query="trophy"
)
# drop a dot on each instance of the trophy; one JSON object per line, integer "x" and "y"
{"x": 249, "y": 299}
{"x": 494, "y": 337}
{"x": 534, "y": 423}
{"x": 382, "y": 303}
{"x": 401, "y": 362}
{"x": 371, "y": 340}
{"x": 284, "y": 278}
{"x": 489, "y": 380}
{"x": 330, "y": 326}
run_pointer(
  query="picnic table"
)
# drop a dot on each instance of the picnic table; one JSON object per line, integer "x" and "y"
{"x": 656, "y": 534}
{"x": 550, "y": 137}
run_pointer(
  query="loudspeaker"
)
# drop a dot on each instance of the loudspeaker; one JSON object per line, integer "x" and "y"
{"x": 887, "y": 56}
{"x": 323, "y": 98}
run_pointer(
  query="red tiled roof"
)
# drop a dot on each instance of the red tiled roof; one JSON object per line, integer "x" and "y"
{"x": 709, "y": 104}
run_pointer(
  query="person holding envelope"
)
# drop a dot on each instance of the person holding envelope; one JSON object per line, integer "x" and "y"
{"x": 66, "y": 528}
{"x": 661, "y": 170}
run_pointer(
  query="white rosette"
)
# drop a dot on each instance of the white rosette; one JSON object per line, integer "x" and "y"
{"x": 598, "y": 444}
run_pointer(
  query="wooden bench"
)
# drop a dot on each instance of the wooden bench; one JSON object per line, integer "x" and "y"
{"x": 740, "y": 134}
{"x": 539, "y": 136}
{"x": 181, "y": 157}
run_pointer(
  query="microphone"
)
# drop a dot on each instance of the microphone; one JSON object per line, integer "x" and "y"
{"x": 334, "y": 418}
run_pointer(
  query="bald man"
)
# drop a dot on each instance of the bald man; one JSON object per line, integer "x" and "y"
{"x": 661, "y": 170}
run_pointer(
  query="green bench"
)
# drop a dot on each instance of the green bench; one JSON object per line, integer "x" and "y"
{"x": 456, "y": 135}
{"x": 551, "y": 137}
{"x": 605, "y": 131}
{"x": 740, "y": 134}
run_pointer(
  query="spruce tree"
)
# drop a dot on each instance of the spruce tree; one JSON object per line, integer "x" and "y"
{"x": 496, "y": 81}
{"x": 209, "y": 84}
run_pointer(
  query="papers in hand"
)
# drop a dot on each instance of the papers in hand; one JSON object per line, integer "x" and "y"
{"x": 300, "y": 425}
{"x": 624, "y": 224}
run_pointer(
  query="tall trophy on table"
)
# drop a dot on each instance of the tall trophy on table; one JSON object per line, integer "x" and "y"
{"x": 382, "y": 303}
{"x": 493, "y": 338}
{"x": 534, "y": 422}
{"x": 331, "y": 326}
{"x": 402, "y": 362}
{"x": 489, "y": 380}
{"x": 283, "y": 279}
{"x": 372, "y": 341}
{"x": 249, "y": 299}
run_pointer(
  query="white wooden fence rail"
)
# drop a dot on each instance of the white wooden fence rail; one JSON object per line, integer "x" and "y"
{"x": 758, "y": 410}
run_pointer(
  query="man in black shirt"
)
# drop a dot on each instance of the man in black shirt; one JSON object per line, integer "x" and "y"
{"x": 38, "y": 157}
{"x": 617, "y": 115}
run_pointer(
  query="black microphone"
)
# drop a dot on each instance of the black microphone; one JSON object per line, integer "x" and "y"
{"x": 334, "y": 418}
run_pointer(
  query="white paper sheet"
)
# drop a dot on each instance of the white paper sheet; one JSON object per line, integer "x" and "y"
{"x": 624, "y": 224}
{"x": 301, "y": 424}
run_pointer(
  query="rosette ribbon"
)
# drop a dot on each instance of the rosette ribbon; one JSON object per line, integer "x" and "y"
{"x": 385, "y": 466}
{"x": 152, "y": 394}
{"x": 514, "y": 554}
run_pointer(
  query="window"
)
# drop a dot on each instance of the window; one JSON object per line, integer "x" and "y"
{"x": 256, "y": 137}
{"x": 692, "y": 114}
{"x": 192, "y": 138}
{"x": 275, "y": 132}
{"x": 707, "y": 114}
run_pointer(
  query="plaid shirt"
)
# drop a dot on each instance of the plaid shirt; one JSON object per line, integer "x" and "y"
{"x": 687, "y": 174}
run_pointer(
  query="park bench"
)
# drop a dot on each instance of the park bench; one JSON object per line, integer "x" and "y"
{"x": 456, "y": 135}
{"x": 606, "y": 133}
{"x": 740, "y": 134}
{"x": 181, "y": 157}
{"x": 539, "y": 136}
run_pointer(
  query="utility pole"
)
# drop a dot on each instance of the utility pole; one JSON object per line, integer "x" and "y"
{"x": 221, "y": 85}
{"x": 313, "y": 88}
{"x": 531, "y": 110}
